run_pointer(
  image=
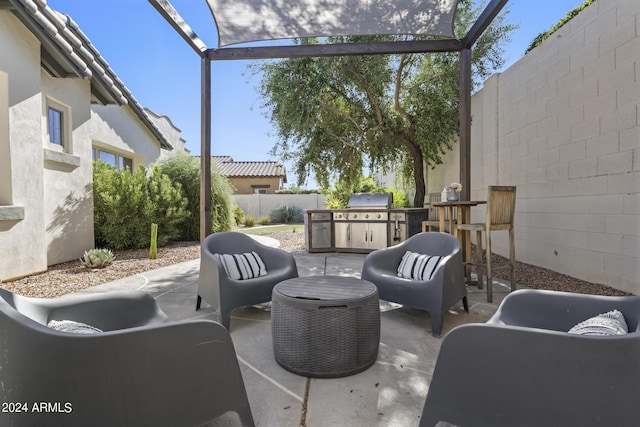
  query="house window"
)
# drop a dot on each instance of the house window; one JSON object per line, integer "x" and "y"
{"x": 113, "y": 159}
{"x": 260, "y": 188}
{"x": 124, "y": 162}
{"x": 59, "y": 125}
{"x": 56, "y": 129}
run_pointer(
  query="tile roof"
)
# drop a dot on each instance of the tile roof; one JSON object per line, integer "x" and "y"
{"x": 230, "y": 168}
{"x": 67, "y": 51}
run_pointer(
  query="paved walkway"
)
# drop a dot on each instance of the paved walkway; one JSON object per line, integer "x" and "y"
{"x": 390, "y": 393}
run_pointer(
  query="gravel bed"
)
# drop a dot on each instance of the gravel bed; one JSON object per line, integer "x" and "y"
{"x": 72, "y": 276}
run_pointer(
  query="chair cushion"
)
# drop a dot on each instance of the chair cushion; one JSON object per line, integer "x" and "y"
{"x": 417, "y": 266}
{"x": 610, "y": 323}
{"x": 244, "y": 266}
{"x": 73, "y": 326}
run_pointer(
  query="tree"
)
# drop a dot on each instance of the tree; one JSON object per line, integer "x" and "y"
{"x": 335, "y": 115}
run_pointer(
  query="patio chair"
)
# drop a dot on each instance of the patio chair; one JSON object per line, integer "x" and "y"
{"x": 444, "y": 286}
{"x": 135, "y": 368}
{"x": 501, "y": 208}
{"x": 225, "y": 293}
{"x": 523, "y": 368}
{"x": 433, "y": 223}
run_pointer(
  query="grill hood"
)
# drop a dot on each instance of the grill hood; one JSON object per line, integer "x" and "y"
{"x": 371, "y": 200}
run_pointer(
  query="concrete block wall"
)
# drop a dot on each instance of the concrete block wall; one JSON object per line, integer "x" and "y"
{"x": 563, "y": 124}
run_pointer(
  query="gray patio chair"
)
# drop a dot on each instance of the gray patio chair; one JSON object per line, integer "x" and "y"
{"x": 224, "y": 293}
{"x": 141, "y": 370}
{"x": 523, "y": 368}
{"x": 435, "y": 295}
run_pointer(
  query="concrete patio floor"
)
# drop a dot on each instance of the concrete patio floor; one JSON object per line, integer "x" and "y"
{"x": 390, "y": 393}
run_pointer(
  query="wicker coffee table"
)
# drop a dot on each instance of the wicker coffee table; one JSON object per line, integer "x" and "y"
{"x": 325, "y": 326}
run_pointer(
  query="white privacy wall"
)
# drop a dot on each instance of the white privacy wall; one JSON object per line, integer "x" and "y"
{"x": 563, "y": 124}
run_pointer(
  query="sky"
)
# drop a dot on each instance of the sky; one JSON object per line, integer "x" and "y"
{"x": 163, "y": 72}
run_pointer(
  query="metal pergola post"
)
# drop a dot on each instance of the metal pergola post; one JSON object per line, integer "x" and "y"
{"x": 465, "y": 123}
{"x": 205, "y": 150}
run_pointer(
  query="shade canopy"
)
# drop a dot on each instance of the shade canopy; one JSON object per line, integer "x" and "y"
{"x": 242, "y": 21}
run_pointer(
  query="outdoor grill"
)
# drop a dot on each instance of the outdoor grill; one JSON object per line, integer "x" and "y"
{"x": 369, "y": 206}
{"x": 363, "y": 225}
{"x": 368, "y": 223}
{"x": 371, "y": 201}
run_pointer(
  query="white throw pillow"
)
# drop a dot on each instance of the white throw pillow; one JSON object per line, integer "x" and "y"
{"x": 611, "y": 323}
{"x": 417, "y": 266}
{"x": 244, "y": 266}
{"x": 73, "y": 326}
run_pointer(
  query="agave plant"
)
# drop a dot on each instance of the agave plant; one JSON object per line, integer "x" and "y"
{"x": 97, "y": 258}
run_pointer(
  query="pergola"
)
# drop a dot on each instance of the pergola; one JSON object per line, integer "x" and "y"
{"x": 243, "y": 21}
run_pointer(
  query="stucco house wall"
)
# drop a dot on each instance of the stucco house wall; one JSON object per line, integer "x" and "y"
{"x": 563, "y": 124}
{"x": 170, "y": 131}
{"x": 67, "y": 173}
{"x": 22, "y": 228}
{"x": 117, "y": 129}
{"x": 250, "y": 184}
{"x": 46, "y": 200}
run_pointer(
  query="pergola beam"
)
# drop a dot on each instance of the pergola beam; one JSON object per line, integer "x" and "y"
{"x": 482, "y": 23}
{"x": 171, "y": 15}
{"x": 336, "y": 49}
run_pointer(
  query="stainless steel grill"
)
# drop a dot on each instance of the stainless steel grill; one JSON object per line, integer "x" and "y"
{"x": 371, "y": 201}
{"x": 368, "y": 223}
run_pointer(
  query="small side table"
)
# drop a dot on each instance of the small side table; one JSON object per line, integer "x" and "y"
{"x": 325, "y": 326}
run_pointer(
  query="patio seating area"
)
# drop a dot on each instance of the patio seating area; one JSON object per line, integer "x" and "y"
{"x": 391, "y": 392}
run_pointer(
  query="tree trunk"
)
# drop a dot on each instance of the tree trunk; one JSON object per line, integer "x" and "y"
{"x": 418, "y": 169}
{"x": 418, "y": 178}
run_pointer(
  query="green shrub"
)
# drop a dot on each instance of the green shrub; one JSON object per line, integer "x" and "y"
{"x": 238, "y": 214}
{"x": 222, "y": 204}
{"x": 184, "y": 169}
{"x": 125, "y": 205}
{"x": 249, "y": 221}
{"x": 264, "y": 220}
{"x": 339, "y": 198}
{"x": 287, "y": 215}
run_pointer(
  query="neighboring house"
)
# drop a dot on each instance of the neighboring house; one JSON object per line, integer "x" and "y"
{"x": 252, "y": 177}
{"x": 61, "y": 106}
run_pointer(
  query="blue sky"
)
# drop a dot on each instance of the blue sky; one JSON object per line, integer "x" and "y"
{"x": 163, "y": 72}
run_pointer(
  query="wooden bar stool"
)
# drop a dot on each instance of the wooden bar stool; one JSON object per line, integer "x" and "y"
{"x": 501, "y": 206}
{"x": 434, "y": 219}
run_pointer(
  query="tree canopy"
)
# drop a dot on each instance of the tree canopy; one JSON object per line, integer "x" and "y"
{"x": 336, "y": 115}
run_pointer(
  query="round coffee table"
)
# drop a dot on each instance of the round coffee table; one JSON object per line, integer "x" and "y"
{"x": 325, "y": 326}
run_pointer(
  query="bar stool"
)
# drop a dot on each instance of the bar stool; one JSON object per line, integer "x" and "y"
{"x": 434, "y": 218}
{"x": 433, "y": 223}
{"x": 501, "y": 206}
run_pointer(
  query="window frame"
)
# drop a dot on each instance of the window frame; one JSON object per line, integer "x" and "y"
{"x": 64, "y": 127}
{"x": 55, "y": 130}
{"x": 121, "y": 161}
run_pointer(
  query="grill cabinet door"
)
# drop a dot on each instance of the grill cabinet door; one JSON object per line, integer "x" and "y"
{"x": 341, "y": 235}
{"x": 377, "y": 235}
